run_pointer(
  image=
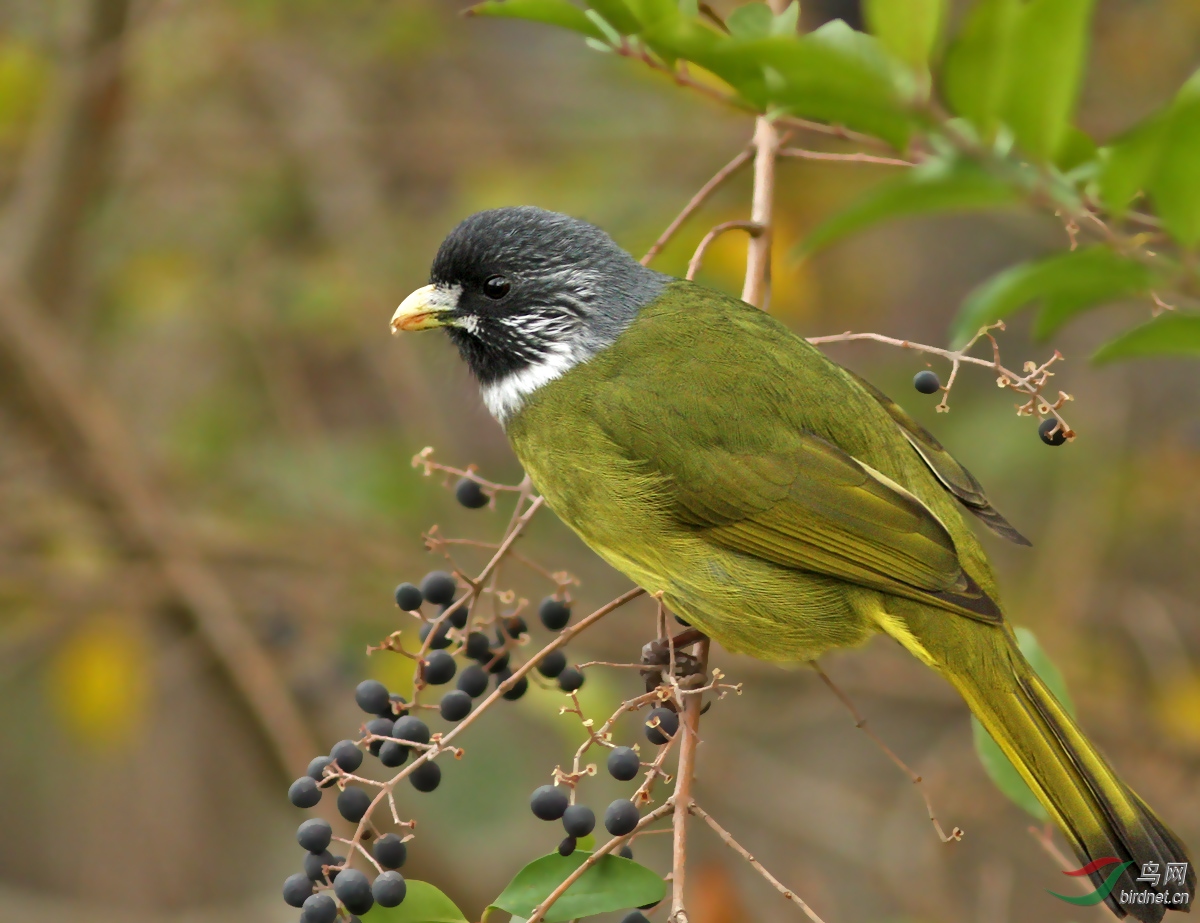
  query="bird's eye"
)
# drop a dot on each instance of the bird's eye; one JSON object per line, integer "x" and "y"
{"x": 496, "y": 287}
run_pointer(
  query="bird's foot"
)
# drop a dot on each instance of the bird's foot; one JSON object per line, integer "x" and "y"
{"x": 657, "y": 656}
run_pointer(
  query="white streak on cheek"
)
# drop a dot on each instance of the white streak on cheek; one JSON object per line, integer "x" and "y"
{"x": 503, "y": 398}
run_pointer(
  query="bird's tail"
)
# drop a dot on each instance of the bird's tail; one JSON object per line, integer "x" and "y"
{"x": 1100, "y": 815}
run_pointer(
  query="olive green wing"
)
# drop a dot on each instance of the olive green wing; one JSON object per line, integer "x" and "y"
{"x": 796, "y": 500}
{"x": 945, "y": 467}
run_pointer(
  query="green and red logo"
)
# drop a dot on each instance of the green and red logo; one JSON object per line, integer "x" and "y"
{"x": 1106, "y": 886}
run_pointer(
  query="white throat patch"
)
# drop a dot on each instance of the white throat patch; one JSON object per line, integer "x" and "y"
{"x": 503, "y": 398}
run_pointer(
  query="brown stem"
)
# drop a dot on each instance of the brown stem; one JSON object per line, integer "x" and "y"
{"x": 798, "y": 153}
{"x": 697, "y": 260}
{"x": 860, "y": 722}
{"x": 689, "y": 731}
{"x": 728, "y": 840}
{"x": 696, "y": 201}
{"x": 757, "y": 287}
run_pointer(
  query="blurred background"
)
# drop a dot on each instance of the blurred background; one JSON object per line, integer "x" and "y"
{"x": 210, "y": 210}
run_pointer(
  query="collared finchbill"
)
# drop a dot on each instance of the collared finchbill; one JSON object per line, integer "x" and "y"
{"x": 426, "y": 308}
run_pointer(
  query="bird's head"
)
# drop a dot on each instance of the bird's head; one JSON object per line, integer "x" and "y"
{"x": 526, "y": 294}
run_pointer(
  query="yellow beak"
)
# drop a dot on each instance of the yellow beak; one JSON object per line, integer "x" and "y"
{"x": 425, "y": 308}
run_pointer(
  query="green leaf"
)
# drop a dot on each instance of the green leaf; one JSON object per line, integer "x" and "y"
{"x": 649, "y": 12}
{"x": 1049, "y": 49}
{"x": 788, "y": 21}
{"x": 938, "y": 186}
{"x": 1066, "y": 283}
{"x": 617, "y": 15}
{"x": 1077, "y": 148}
{"x": 998, "y": 767}
{"x": 1170, "y": 334}
{"x": 909, "y": 29}
{"x": 753, "y": 20}
{"x": 1129, "y": 161}
{"x": 423, "y": 903}
{"x": 611, "y": 884}
{"x": 975, "y": 74}
{"x": 559, "y": 13}
{"x": 1175, "y": 182}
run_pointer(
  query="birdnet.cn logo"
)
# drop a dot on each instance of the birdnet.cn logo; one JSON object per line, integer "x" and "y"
{"x": 1158, "y": 883}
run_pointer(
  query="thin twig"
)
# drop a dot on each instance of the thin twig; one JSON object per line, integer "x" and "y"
{"x": 799, "y": 153}
{"x": 737, "y": 847}
{"x": 689, "y": 732}
{"x": 750, "y": 227}
{"x": 756, "y": 289}
{"x": 697, "y": 200}
{"x": 539, "y": 912}
{"x": 860, "y": 722}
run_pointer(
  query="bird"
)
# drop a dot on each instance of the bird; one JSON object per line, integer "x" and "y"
{"x": 777, "y": 502}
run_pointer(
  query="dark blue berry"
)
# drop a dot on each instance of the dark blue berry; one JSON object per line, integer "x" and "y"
{"x": 683, "y": 622}
{"x": 515, "y": 626}
{"x": 518, "y": 689}
{"x": 438, "y": 587}
{"x": 621, "y": 817}
{"x": 304, "y": 792}
{"x": 441, "y": 635}
{"x": 408, "y": 597}
{"x": 371, "y": 696}
{"x": 549, "y": 802}
{"x": 353, "y": 889}
{"x": 570, "y": 679}
{"x": 624, "y": 764}
{"x": 381, "y": 727}
{"x": 411, "y": 729}
{"x": 392, "y": 754}
{"x": 439, "y": 668}
{"x": 455, "y": 705}
{"x": 552, "y": 664}
{"x": 473, "y": 681}
{"x": 668, "y": 724}
{"x": 352, "y": 803}
{"x": 567, "y": 846}
{"x": 635, "y": 917}
{"x": 319, "y": 908}
{"x": 927, "y": 382}
{"x": 346, "y": 755}
{"x": 296, "y": 889}
{"x": 426, "y": 777}
{"x": 458, "y": 618}
{"x": 500, "y": 664}
{"x": 314, "y": 834}
{"x": 1047, "y": 427}
{"x": 313, "y": 863}
{"x": 478, "y": 647}
{"x": 390, "y": 851}
{"x": 389, "y": 889}
{"x": 397, "y": 705}
{"x": 468, "y": 492}
{"x": 625, "y": 852}
{"x": 554, "y": 613}
{"x": 316, "y": 768}
{"x": 579, "y": 820}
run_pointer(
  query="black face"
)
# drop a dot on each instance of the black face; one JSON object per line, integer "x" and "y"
{"x": 534, "y": 286}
